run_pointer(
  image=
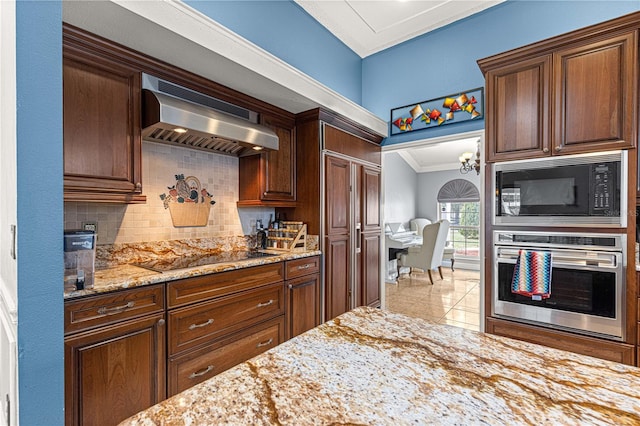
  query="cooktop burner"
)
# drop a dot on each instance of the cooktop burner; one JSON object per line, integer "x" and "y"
{"x": 174, "y": 263}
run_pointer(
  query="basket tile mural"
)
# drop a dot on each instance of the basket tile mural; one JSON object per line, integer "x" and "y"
{"x": 188, "y": 202}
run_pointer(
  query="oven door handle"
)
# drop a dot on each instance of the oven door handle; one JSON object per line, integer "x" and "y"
{"x": 600, "y": 259}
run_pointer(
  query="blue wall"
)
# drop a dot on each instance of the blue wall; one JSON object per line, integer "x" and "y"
{"x": 287, "y": 31}
{"x": 444, "y": 61}
{"x": 39, "y": 212}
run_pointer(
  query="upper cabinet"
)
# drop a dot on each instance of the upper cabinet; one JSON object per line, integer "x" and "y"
{"x": 102, "y": 144}
{"x": 517, "y": 107}
{"x": 269, "y": 178}
{"x": 571, "y": 94}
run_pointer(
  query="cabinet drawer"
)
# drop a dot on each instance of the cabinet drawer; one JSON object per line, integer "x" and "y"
{"x": 204, "y": 322}
{"x": 304, "y": 266}
{"x": 95, "y": 311}
{"x": 199, "y": 289}
{"x": 199, "y": 365}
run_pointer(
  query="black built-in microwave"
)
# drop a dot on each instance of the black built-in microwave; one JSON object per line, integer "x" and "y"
{"x": 571, "y": 190}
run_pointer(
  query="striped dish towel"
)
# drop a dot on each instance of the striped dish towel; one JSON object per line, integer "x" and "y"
{"x": 532, "y": 274}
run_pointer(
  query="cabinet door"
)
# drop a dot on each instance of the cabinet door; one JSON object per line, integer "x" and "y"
{"x": 113, "y": 372}
{"x": 338, "y": 195}
{"x": 370, "y": 199}
{"x": 595, "y": 95}
{"x": 303, "y": 307}
{"x": 370, "y": 283}
{"x": 518, "y": 104}
{"x": 101, "y": 124}
{"x": 337, "y": 276}
{"x": 269, "y": 178}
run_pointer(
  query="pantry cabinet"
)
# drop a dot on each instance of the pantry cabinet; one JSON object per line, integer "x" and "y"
{"x": 101, "y": 122}
{"x": 572, "y": 94}
{"x": 339, "y": 198}
{"x": 114, "y": 355}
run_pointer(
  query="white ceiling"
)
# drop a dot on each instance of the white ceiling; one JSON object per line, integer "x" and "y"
{"x": 433, "y": 156}
{"x": 369, "y": 26}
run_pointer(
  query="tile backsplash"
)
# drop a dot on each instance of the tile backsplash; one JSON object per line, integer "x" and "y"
{"x": 218, "y": 174}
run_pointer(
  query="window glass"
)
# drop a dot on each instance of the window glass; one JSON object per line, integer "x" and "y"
{"x": 464, "y": 232}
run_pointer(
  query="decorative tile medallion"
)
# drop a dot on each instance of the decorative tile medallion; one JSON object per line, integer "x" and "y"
{"x": 188, "y": 202}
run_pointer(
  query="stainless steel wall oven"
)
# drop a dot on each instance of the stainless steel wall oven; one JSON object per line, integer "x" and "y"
{"x": 587, "y": 282}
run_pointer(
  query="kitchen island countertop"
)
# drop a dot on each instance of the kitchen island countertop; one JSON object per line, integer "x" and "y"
{"x": 371, "y": 366}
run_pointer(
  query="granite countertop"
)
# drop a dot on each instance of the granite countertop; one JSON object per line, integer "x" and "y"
{"x": 128, "y": 276}
{"x": 370, "y": 366}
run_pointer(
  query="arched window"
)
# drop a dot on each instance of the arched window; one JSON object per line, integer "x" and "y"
{"x": 459, "y": 203}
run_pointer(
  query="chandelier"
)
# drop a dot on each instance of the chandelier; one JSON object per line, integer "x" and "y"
{"x": 467, "y": 165}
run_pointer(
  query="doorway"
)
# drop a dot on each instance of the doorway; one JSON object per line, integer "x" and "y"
{"x": 412, "y": 175}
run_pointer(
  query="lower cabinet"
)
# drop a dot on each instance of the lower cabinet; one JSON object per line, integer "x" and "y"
{"x": 585, "y": 345}
{"x": 198, "y": 365}
{"x": 115, "y": 362}
{"x": 229, "y": 318}
{"x": 303, "y": 295}
{"x": 126, "y": 351}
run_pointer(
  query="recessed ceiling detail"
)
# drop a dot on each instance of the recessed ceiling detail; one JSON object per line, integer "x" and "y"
{"x": 368, "y": 27}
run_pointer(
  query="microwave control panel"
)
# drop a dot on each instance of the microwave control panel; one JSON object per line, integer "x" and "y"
{"x": 603, "y": 184}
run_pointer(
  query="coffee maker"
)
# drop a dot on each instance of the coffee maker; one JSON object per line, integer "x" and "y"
{"x": 79, "y": 259}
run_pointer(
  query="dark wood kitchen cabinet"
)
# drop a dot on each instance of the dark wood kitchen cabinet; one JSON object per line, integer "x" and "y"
{"x": 219, "y": 320}
{"x": 339, "y": 183}
{"x": 303, "y": 295}
{"x": 114, "y": 355}
{"x": 585, "y": 345}
{"x": 571, "y": 94}
{"x": 269, "y": 178}
{"x": 370, "y": 242}
{"x": 101, "y": 122}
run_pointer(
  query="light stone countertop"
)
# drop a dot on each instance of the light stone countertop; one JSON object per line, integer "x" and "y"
{"x": 130, "y": 276}
{"x": 373, "y": 367}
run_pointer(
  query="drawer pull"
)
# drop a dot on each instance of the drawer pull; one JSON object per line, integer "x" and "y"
{"x": 204, "y": 324}
{"x": 262, "y": 305}
{"x": 305, "y": 266}
{"x": 115, "y": 310}
{"x": 267, "y": 343}
{"x": 201, "y": 372}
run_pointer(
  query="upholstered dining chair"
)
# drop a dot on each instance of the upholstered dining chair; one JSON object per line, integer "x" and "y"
{"x": 418, "y": 224}
{"x": 428, "y": 256}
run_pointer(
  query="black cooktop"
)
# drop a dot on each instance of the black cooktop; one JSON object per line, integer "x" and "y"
{"x": 173, "y": 263}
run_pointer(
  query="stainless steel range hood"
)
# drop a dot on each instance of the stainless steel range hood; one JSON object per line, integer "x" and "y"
{"x": 175, "y": 115}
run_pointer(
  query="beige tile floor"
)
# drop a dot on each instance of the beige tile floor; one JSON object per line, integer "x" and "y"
{"x": 453, "y": 300}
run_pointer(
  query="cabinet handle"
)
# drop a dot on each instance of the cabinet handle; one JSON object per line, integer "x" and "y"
{"x": 545, "y": 149}
{"x": 138, "y": 186}
{"x": 161, "y": 321}
{"x": 558, "y": 148}
{"x": 201, "y": 372}
{"x": 204, "y": 324}
{"x": 115, "y": 310}
{"x": 306, "y": 266}
{"x": 267, "y": 343}
{"x": 290, "y": 286}
{"x": 262, "y": 305}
